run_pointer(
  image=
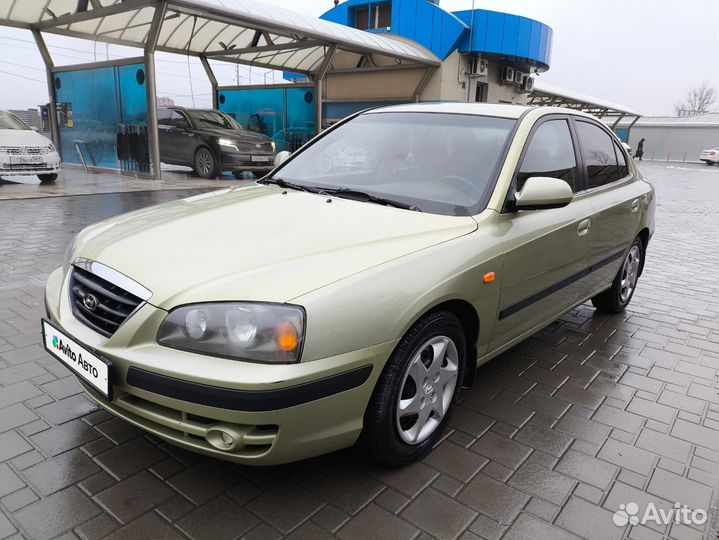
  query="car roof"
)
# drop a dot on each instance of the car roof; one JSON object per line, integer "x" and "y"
{"x": 480, "y": 109}
{"x": 499, "y": 110}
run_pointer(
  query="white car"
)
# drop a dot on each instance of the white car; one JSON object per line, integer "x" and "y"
{"x": 23, "y": 152}
{"x": 710, "y": 156}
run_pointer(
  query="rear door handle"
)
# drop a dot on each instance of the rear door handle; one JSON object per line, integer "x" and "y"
{"x": 583, "y": 227}
{"x": 635, "y": 205}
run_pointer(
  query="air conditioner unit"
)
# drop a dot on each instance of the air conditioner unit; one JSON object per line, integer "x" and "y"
{"x": 507, "y": 75}
{"x": 518, "y": 77}
{"x": 479, "y": 67}
{"x": 528, "y": 84}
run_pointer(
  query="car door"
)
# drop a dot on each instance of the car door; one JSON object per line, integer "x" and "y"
{"x": 617, "y": 200}
{"x": 163, "y": 128}
{"x": 545, "y": 251}
{"x": 178, "y": 139}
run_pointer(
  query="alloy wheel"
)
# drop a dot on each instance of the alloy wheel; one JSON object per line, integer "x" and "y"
{"x": 204, "y": 163}
{"x": 427, "y": 389}
{"x": 630, "y": 273}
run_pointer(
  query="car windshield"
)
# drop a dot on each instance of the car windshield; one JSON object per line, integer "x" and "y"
{"x": 435, "y": 162}
{"x": 10, "y": 121}
{"x": 213, "y": 119}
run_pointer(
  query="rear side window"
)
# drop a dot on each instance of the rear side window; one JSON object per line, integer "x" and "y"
{"x": 550, "y": 153}
{"x": 621, "y": 162}
{"x": 600, "y": 155}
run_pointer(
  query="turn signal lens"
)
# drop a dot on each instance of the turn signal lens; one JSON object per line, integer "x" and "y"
{"x": 287, "y": 338}
{"x": 489, "y": 277}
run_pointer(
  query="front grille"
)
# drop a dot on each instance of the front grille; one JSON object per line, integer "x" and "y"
{"x": 24, "y": 150}
{"x": 250, "y": 146}
{"x": 112, "y": 305}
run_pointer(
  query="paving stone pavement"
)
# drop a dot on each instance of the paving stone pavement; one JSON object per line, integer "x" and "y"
{"x": 592, "y": 412}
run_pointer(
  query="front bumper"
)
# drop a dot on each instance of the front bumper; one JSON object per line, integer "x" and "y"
{"x": 273, "y": 413}
{"x": 239, "y": 162}
{"x": 50, "y": 164}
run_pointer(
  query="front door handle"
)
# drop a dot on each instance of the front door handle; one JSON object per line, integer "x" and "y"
{"x": 635, "y": 205}
{"x": 583, "y": 227}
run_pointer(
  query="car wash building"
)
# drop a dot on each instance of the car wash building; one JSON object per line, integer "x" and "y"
{"x": 359, "y": 54}
{"x": 484, "y": 56}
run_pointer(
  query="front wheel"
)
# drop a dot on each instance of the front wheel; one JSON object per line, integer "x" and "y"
{"x": 415, "y": 395}
{"x": 205, "y": 165}
{"x": 47, "y": 178}
{"x": 617, "y": 297}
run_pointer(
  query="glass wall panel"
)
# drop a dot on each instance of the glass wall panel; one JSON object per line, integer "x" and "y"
{"x": 287, "y": 115}
{"x": 95, "y": 108}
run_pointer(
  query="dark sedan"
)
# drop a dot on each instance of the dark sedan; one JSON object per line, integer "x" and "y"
{"x": 212, "y": 142}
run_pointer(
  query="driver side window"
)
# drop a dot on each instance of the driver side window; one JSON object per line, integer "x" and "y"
{"x": 179, "y": 120}
{"x": 550, "y": 153}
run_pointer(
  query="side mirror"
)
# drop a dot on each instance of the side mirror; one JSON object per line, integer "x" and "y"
{"x": 541, "y": 192}
{"x": 35, "y": 129}
{"x": 281, "y": 157}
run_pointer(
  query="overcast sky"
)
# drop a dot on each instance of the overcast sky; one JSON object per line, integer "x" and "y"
{"x": 641, "y": 53}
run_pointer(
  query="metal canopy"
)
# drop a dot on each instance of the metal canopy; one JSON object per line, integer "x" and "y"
{"x": 239, "y": 31}
{"x": 548, "y": 95}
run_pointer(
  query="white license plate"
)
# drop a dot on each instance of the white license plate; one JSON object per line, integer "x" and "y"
{"x": 263, "y": 159}
{"x": 21, "y": 160}
{"x": 87, "y": 365}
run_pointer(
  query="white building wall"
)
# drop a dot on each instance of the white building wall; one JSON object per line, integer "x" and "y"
{"x": 674, "y": 143}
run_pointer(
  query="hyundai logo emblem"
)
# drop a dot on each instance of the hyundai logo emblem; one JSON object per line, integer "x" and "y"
{"x": 90, "y": 302}
{"x": 258, "y": 146}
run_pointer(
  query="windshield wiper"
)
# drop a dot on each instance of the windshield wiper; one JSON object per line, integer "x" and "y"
{"x": 290, "y": 185}
{"x": 361, "y": 196}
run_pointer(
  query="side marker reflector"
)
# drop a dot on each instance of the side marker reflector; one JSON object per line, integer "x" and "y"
{"x": 489, "y": 277}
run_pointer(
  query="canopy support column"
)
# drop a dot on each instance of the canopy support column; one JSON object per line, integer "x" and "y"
{"x": 319, "y": 82}
{"x": 213, "y": 80}
{"x": 49, "y": 65}
{"x": 619, "y": 119}
{"x": 424, "y": 81}
{"x": 151, "y": 87}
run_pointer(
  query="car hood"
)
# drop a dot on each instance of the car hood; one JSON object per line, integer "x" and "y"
{"x": 22, "y": 137}
{"x": 258, "y": 243}
{"x": 237, "y": 134}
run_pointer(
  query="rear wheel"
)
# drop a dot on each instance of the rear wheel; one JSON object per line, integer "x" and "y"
{"x": 618, "y": 296}
{"x": 47, "y": 178}
{"x": 205, "y": 164}
{"x": 415, "y": 395}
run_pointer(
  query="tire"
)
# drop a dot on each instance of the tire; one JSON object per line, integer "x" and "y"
{"x": 205, "y": 163}
{"x": 394, "y": 437}
{"x": 47, "y": 178}
{"x": 617, "y": 297}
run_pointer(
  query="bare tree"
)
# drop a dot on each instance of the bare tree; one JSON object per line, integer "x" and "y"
{"x": 697, "y": 100}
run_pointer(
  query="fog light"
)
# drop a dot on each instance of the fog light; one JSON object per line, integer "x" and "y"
{"x": 224, "y": 437}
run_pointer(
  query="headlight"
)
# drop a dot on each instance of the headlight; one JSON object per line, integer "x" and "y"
{"x": 274, "y": 146}
{"x": 267, "y": 333}
{"x": 69, "y": 254}
{"x": 228, "y": 142}
{"x": 50, "y": 148}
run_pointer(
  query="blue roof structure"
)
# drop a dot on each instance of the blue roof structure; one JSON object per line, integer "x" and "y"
{"x": 516, "y": 40}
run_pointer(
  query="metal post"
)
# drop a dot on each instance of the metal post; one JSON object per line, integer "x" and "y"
{"x": 49, "y": 65}
{"x": 213, "y": 80}
{"x": 319, "y": 83}
{"x": 151, "y": 88}
{"x": 631, "y": 125}
{"x": 424, "y": 81}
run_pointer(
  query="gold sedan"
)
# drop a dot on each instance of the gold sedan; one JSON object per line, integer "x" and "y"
{"x": 351, "y": 293}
